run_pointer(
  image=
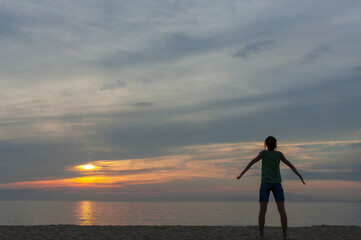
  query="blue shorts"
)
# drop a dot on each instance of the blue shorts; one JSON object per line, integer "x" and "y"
{"x": 276, "y": 189}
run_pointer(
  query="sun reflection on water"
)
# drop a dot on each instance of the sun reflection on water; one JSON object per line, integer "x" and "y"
{"x": 85, "y": 216}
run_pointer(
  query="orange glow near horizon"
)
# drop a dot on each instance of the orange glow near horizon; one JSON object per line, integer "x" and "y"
{"x": 118, "y": 173}
{"x": 80, "y": 182}
{"x": 212, "y": 166}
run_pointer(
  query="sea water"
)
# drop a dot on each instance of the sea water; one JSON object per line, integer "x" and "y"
{"x": 175, "y": 213}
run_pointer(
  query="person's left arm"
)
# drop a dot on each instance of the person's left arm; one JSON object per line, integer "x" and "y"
{"x": 256, "y": 159}
{"x": 285, "y": 161}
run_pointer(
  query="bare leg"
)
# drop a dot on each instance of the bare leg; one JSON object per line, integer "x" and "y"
{"x": 283, "y": 215}
{"x": 261, "y": 217}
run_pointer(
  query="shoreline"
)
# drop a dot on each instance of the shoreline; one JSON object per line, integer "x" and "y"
{"x": 163, "y": 232}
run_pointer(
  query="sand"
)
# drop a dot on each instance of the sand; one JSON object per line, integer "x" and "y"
{"x": 65, "y": 232}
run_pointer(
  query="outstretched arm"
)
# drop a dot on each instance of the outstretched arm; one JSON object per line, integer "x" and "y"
{"x": 256, "y": 159}
{"x": 292, "y": 167}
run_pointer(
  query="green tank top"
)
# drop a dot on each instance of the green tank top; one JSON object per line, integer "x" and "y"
{"x": 271, "y": 166}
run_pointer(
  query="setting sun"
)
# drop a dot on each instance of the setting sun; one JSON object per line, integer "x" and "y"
{"x": 87, "y": 167}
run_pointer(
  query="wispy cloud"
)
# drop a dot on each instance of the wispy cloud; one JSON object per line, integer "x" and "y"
{"x": 254, "y": 49}
{"x": 317, "y": 52}
{"x": 112, "y": 85}
{"x": 358, "y": 68}
{"x": 355, "y": 145}
{"x": 143, "y": 104}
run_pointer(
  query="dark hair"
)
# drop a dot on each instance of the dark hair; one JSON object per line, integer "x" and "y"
{"x": 271, "y": 143}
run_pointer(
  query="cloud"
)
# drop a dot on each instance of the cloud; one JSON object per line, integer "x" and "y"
{"x": 238, "y": 119}
{"x": 355, "y": 145}
{"x": 331, "y": 160}
{"x": 161, "y": 47}
{"x": 344, "y": 170}
{"x": 112, "y": 85}
{"x": 254, "y": 49}
{"x": 358, "y": 68}
{"x": 317, "y": 52}
{"x": 121, "y": 58}
{"x": 143, "y": 104}
{"x": 8, "y": 23}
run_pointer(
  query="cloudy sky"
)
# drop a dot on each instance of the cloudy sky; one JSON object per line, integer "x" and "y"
{"x": 171, "y": 99}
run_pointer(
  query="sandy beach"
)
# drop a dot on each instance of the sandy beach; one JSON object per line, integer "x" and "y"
{"x": 173, "y": 232}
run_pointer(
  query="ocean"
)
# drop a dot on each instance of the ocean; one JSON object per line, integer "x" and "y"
{"x": 175, "y": 213}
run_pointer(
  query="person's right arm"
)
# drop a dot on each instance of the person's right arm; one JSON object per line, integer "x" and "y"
{"x": 256, "y": 159}
{"x": 285, "y": 161}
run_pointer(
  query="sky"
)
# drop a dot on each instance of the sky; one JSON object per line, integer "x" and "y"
{"x": 169, "y": 100}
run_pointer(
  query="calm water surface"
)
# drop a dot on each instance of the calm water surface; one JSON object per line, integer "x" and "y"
{"x": 174, "y": 213}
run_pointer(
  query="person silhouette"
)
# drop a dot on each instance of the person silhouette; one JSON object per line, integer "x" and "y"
{"x": 271, "y": 182}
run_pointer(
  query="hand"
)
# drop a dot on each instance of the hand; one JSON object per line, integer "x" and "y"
{"x": 240, "y": 175}
{"x": 302, "y": 180}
